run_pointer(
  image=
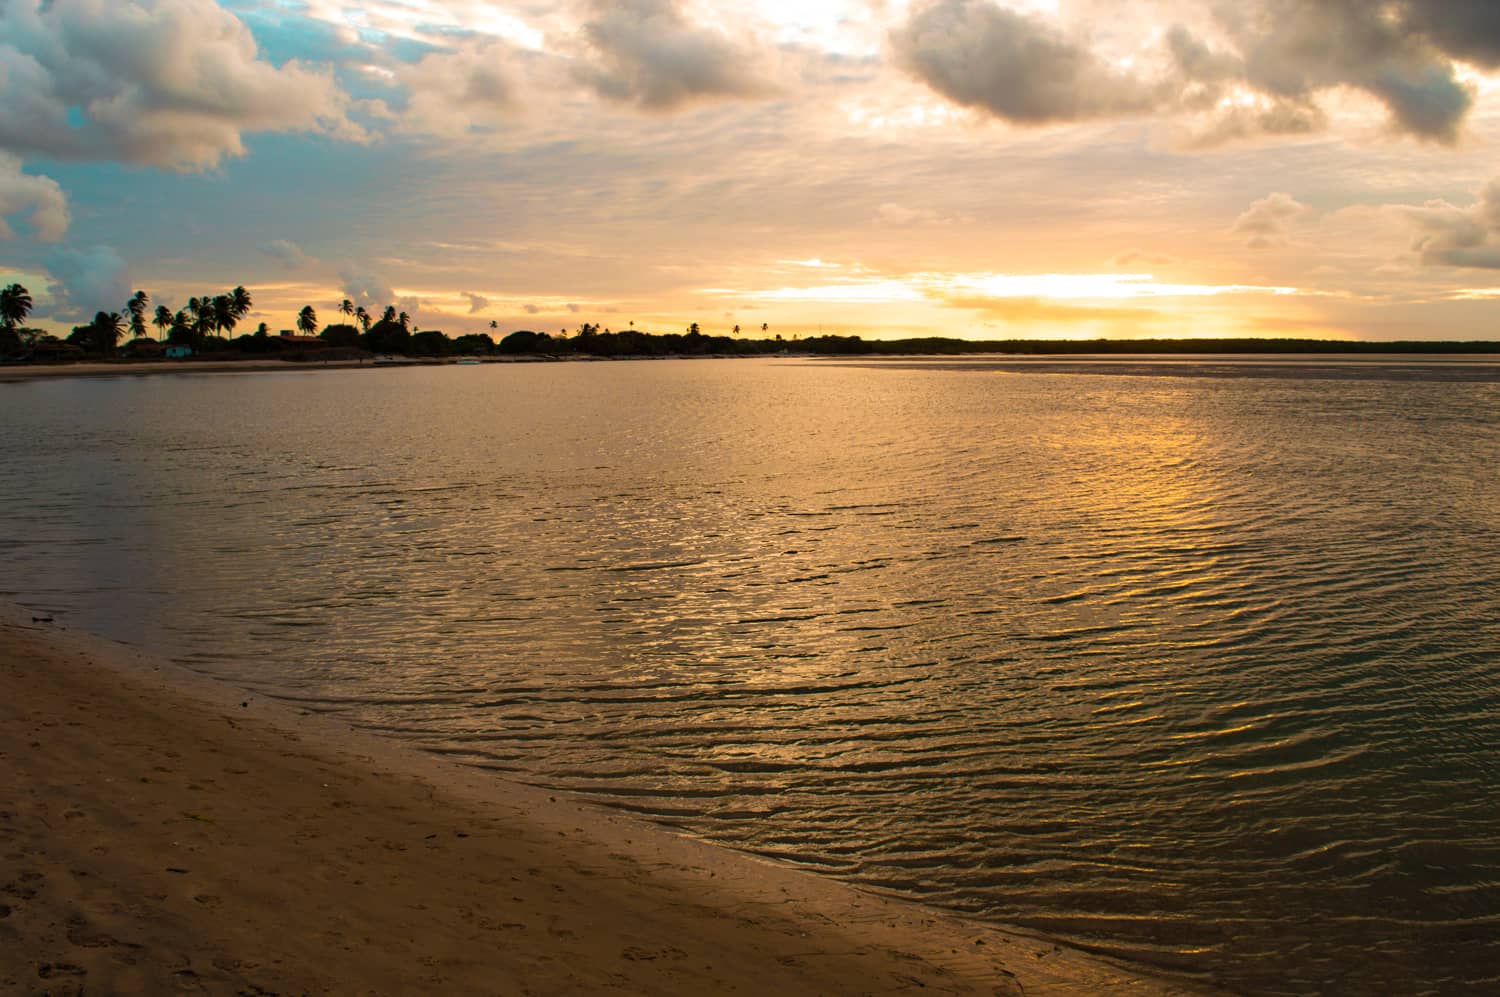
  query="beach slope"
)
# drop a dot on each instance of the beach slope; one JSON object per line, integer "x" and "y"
{"x": 162, "y": 833}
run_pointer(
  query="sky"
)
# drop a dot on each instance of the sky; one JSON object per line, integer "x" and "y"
{"x": 1040, "y": 169}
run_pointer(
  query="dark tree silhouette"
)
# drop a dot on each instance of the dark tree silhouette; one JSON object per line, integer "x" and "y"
{"x": 136, "y": 307}
{"x": 307, "y": 320}
{"x": 239, "y": 303}
{"x": 106, "y": 330}
{"x": 15, "y": 305}
{"x": 346, "y": 308}
{"x": 162, "y": 321}
{"x": 363, "y": 318}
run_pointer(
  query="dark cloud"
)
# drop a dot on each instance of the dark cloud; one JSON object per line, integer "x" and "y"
{"x": 1025, "y": 69}
{"x": 1465, "y": 29}
{"x": 1012, "y": 66}
{"x": 1294, "y": 48}
{"x": 647, "y": 53}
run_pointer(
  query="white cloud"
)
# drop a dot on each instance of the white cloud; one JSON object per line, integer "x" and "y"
{"x": 289, "y": 253}
{"x": 172, "y": 83}
{"x": 39, "y": 198}
{"x": 84, "y": 282}
{"x": 1267, "y": 222}
{"x": 455, "y": 91}
{"x": 1458, "y": 237}
{"x": 477, "y": 302}
{"x": 366, "y": 289}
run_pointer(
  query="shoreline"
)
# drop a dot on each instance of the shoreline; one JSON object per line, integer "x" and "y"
{"x": 163, "y": 829}
{"x": 1398, "y": 366}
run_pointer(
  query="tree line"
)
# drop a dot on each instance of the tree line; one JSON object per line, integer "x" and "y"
{"x": 205, "y": 323}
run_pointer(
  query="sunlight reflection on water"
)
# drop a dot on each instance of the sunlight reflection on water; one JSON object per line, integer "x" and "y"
{"x": 1198, "y": 671}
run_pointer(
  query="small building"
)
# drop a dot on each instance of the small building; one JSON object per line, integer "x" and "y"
{"x": 178, "y": 351}
{"x": 291, "y": 342}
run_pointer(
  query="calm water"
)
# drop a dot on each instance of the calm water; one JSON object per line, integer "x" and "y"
{"x": 1199, "y": 671}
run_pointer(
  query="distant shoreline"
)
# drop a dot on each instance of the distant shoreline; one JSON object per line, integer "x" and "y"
{"x": 1479, "y": 366}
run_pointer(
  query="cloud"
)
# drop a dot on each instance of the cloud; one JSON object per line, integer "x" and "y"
{"x": 1045, "y": 311}
{"x": 454, "y": 92}
{"x": 1458, "y": 237}
{"x": 289, "y": 253}
{"x": 365, "y": 288}
{"x": 1266, "y": 223}
{"x": 477, "y": 302}
{"x": 40, "y": 198}
{"x": 84, "y": 282}
{"x": 1012, "y": 66}
{"x": 1278, "y": 58}
{"x": 1131, "y": 257}
{"x": 175, "y": 83}
{"x": 1465, "y": 29}
{"x": 647, "y": 53}
{"x": 1294, "y": 48}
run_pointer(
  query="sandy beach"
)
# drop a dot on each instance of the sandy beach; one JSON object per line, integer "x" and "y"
{"x": 162, "y": 832}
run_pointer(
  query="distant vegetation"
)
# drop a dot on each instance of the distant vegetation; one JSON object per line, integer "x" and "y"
{"x": 206, "y": 326}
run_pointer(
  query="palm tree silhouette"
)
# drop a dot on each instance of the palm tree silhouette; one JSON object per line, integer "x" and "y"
{"x": 307, "y": 320}
{"x": 107, "y": 329}
{"x": 15, "y": 305}
{"x": 363, "y": 317}
{"x": 224, "y": 318}
{"x": 162, "y": 321}
{"x": 346, "y": 307}
{"x": 136, "y": 307}
{"x": 239, "y": 303}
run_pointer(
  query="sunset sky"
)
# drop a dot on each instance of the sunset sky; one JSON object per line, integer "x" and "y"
{"x": 1064, "y": 169}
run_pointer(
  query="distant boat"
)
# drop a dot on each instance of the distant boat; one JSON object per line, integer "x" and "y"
{"x": 468, "y": 363}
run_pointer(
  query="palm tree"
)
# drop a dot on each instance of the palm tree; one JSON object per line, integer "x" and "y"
{"x": 404, "y": 320}
{"x": 183, "y": 329}
{"x": 363, "y": 317}
{"x": 224, "y": 318}
{"x": 346, "y": 308}
{"x": 239, "y": 303}
{"x": 763, "y": 328}
{"x": 307, "y": 320}
{"x": 389, "y": 315}
{"x": 106, "y": 331}
{"x": 136, "y": 307}
{"x": 736, "y": 330}
{"x": 15, "y": 305}
{"x": 163, "y": 320}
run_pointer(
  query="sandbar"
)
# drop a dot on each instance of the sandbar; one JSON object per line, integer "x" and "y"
{"x": 165, "y": 832}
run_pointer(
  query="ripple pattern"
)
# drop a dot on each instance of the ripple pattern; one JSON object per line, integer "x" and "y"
{"x": 1200, "y": 671}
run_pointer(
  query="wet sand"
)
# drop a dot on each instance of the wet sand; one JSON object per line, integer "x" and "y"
{"x": 162, "y": 832}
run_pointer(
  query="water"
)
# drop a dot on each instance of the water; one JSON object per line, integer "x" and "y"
{"x": 1200, "y": 671}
